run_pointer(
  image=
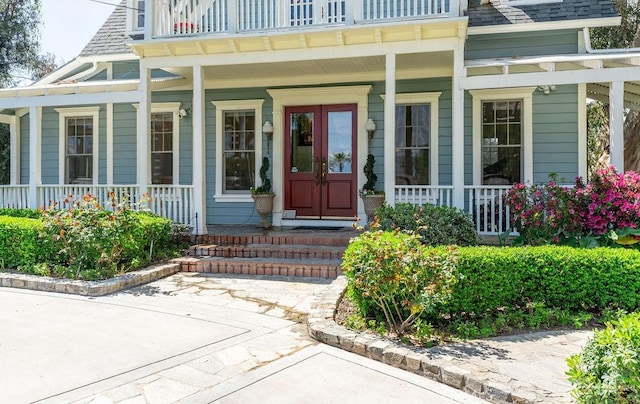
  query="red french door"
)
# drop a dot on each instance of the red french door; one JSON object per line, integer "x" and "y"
{"x": 320, "y": 161}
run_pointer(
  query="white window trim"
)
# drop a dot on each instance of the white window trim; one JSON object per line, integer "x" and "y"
{"x": 159, "y": 107}
{"x": 431, "y": 98}
{"x": 228, "y": 106}
{"x": 63, "y": 114}
{"x": 524, "y": 93}
{"x": 132, "y": 18}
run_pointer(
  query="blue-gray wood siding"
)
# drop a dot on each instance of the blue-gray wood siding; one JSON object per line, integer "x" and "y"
{"x": 521, "y": 44}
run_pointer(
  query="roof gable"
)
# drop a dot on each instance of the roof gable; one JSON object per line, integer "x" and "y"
{"x": 111, "y": 38}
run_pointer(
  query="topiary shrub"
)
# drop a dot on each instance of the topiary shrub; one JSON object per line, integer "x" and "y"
{"x": 608, "y": 369}
{"x": 391, "y": 274}
{"x": 436, "y": 225}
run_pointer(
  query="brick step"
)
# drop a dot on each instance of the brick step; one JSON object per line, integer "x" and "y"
{"x": 317, "y": 268}
{"x": 288, "y": 251}
{"x": 337, "y": 239}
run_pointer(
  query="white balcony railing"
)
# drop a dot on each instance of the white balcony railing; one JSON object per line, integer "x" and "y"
{"x": 189, "y": 17}
{"x": 172, "y": 201}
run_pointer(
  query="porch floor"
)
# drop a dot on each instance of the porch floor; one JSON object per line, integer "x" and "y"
{"x": 284, "y": 231}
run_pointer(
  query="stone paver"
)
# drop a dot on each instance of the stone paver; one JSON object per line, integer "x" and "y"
{"x": 247, "y": 337}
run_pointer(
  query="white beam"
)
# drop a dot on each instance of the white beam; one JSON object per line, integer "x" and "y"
{"x": 457, "y": 128}
{"x": 199, "y": 146}
{"x": 69, "y": 99}
{"x": 616, "y": 124}
{"x": 35, "y": 154}
{"x": 551, "y": 78}
{"x": 390, "y": 129}
{"x": 295, "y": 55}
{"x": 144, "y": 129}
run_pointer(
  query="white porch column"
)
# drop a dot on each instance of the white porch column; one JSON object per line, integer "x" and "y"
{"x": 109, "y": 143}
{"x": 14, "y": 133}
{"x": 144, "y": 129}
{"x": 35, "y": 155}
{"x": 616, "y": 124}
{"x": 390, "y": 129}
{"x": 199, "y": 166}
{"x": 457, "y": 127}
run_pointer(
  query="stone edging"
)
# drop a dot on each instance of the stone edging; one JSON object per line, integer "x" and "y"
{"x": 88, "y": 288}
{"x": 475, "y": 380}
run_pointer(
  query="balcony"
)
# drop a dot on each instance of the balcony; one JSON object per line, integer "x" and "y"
{"x": 179, "y": 18}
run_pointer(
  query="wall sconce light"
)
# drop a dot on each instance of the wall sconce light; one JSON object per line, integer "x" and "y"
{"x": 182, "y": 112}
{"x": 370, "y": 127}
{"x": 546, "y": 89}
{"x": 267, "y": 129}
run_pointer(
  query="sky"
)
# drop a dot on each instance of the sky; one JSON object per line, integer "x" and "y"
{"x": 70, "y": 24}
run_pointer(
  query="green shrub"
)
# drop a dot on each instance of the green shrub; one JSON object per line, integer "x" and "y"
{"x": 29, "y": 213}
{"x": 19, "y": 244}
{"x": 608, "y": 369}
{"x": 436, "y": 225}
{"x": 394, "y": 274}
{"x": 566, "y": 278}
{"x": 93, "y": 243}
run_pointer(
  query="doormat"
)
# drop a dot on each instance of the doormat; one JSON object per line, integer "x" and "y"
{"x": 329, "y": 228}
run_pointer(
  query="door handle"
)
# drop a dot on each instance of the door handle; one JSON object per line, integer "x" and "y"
{"x": 324, "y": 170}
{"x": 318, "y": 172}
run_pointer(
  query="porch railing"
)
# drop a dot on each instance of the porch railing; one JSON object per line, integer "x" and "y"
{"x": 174, "y": 202}
{"x": 188, "y": 17}
{"x": 14, "y": 196}
{"x": 487, "y": 207}
{"x": 421, "y": 194}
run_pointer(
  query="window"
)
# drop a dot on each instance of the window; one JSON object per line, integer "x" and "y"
{"x": 501, "y": 142}
{"x": 238, "y": 165}
{"x": 162, "y": 148}
{"x": 79, "y": 160}
{"x": 416, "y": 140}
{"x": 78, "y": 153}
{"x": 164, "y": 141}
{"x": 135, "y": 15}
{"x": 239, "y": 136}
{"x": 413, "y": 135}
{"x": 502, "y": 136}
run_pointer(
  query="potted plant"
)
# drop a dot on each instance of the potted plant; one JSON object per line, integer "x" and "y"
{"x": 262, "y": 195}
{"x": 371, "y": 198}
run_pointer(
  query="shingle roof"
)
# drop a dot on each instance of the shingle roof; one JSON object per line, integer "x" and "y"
{"x": 111, "y": 38}
{"x": 499, "y": 12}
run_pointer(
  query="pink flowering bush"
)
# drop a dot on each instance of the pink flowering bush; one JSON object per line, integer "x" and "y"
{"x": 604, "y": 211}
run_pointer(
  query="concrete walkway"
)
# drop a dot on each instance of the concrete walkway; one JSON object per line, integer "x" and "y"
{"x": 190, "y": 338}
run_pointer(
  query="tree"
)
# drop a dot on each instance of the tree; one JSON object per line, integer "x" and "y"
{"x": 20, "y": 57}
{"x": 626, "y": 35}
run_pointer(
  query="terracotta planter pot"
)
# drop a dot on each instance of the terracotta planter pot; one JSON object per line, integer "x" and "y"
{"x": 264, "y": 207}
{"x": 371, "y": 203}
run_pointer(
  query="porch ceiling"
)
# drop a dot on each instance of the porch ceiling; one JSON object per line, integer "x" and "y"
{"x": 372, "y": 68}
{"x": 600, "y": 92}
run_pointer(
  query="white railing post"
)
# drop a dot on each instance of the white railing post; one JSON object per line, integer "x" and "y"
{"x": 232, "y": 15}
{"x": 350, "y": 12}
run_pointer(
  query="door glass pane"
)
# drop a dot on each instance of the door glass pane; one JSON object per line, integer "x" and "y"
{"x": 339, "y": 146}
{"x": 301, "y": 137}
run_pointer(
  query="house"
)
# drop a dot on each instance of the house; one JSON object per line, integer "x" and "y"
{"x": 181, "y": 99}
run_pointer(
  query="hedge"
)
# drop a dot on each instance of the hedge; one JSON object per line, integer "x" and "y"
{"x": 574, "y": 279}
{"x": 19, "y": 244}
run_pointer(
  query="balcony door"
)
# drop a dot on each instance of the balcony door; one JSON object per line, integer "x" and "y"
{"x": 307, "y": 12}
{"x": 320, "y": 161}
